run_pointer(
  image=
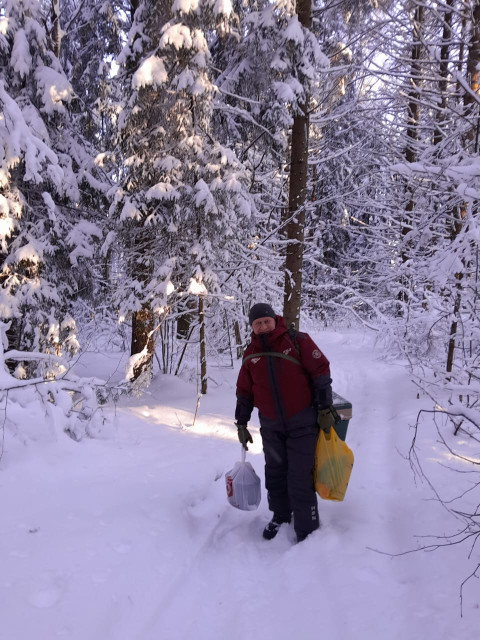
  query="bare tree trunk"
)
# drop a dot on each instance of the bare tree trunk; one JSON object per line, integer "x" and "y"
{"x": 473, "y": 75}
{"x": 238, "y": 339}
{"x": 203, "y": 348}
{"x": 438, "y": 133}
{"x": 471, "y": 141}
{"x": 56, "y": 31}
{"x": 186, "y": 317}
{"x": 453, "y": 331}
{"x": 461, "y": 53}
{"x": 411, "y": 150}
{"x": 297, "y": 196}
{"x": 143, "y": 335}
{"x": 413, "y": 114}
{"x": 133, "y": 7}
{"x": 443, "y": 82}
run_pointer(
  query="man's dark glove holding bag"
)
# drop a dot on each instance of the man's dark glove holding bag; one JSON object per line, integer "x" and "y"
{"x": 327, "y": 418}
{"x": 244, "y": 435}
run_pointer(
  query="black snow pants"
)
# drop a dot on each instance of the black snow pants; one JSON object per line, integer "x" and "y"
{"x": 289, "y": 448}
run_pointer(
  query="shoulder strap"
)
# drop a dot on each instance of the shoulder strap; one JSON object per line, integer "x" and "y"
{"x": 293, "y": 333}
{"x": 294, "y": 336}
{"x": 274, "y": 354}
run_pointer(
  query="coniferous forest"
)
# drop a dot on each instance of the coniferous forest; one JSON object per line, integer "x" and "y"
{"x": 166, "y": 163}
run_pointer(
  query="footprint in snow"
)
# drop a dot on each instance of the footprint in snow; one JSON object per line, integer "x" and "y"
{"x": 122, "y": 547}
{"x": 45, "y": 597}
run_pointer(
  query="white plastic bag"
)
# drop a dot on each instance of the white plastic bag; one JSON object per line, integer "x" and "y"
{"x": 243, "y": 486}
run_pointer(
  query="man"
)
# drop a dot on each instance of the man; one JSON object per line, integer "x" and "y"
{"x": 286, "y": 376}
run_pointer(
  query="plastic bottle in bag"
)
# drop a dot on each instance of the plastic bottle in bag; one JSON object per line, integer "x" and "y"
{"x": 243, "y": 486}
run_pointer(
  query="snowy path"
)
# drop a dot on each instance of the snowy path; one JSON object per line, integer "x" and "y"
{"x": 131, "y": 537}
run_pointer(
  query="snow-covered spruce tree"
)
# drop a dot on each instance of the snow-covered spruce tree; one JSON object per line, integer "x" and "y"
{"x": 44, "y": 166}
{"x": 182, "y": 202}
{"x": 266, "y": 77}
{"x": 250, "y": 118}
{"x": 91, "y": 38}
{"x": 346, "y": 149}
{"x": 256, "y": 84}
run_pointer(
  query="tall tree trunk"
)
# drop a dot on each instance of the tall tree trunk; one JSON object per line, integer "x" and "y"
{"x": 203, "y": 347}
{"x": 56, "y": 31}
{"x": 144, "y": 331}
{"x": 461, "y": 53}
{"x": 413, "y": 109}
{"x": 443, "y": 81}
{"x": 143, "y": 334}
{"x": 473, "y": 75}
{"x": 142, "y": 338}
{"x": 133, "y": 7}
{"x": 296, "y": 197}
{"x": 238, "y": 339}
{"x": 471, "y": 144}
{"x": 186, "y": 317}
{"x": 453, "y": 328}
{"x": 411, "y": 147}
{"x": 438, "y": 133}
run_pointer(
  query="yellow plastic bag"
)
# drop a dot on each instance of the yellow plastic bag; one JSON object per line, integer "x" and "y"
{"x": 333, "y": 466}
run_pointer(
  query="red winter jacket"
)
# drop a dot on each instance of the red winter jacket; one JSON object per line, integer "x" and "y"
{"x": 277, "y": 387}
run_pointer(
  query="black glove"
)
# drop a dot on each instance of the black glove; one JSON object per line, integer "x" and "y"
{"x": 327, "y": 418}
{"x": 244, "y": 435}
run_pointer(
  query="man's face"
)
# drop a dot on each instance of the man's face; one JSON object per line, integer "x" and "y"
{"x": 263, "y": 325}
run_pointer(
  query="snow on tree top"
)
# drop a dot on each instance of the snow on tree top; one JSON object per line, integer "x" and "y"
{"x": 27, "y": 253}
{"x": 6, "y": 224}
{"x": 197, "y": 288}
{"x": 54, "y": 89}
{"x": 20, "y": 59}
{"x": 223, "y": 7}
{"x": 151, "y": 72}
{"x": 161, "y": 191}
{"x": 294, "y": 31}
{"x": 177, "y": 35}
{"x": 288, "y": 91}
{"x": 185, "y": 6}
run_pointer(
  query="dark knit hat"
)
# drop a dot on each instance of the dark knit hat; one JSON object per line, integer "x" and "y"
{"x": 261, "y": 310}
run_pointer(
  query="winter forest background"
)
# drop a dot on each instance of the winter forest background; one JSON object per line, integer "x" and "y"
{"x": 167, "y": 163}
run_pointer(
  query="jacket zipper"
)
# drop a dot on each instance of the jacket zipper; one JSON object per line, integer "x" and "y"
{"x": 273, "y": 380}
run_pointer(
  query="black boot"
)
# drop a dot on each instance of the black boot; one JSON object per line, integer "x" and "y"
{"x": 301, "y": 535}
{"x": 273, "y": 526}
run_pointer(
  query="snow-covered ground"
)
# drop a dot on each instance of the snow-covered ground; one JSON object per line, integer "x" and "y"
{"x": 130, "y": 537}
